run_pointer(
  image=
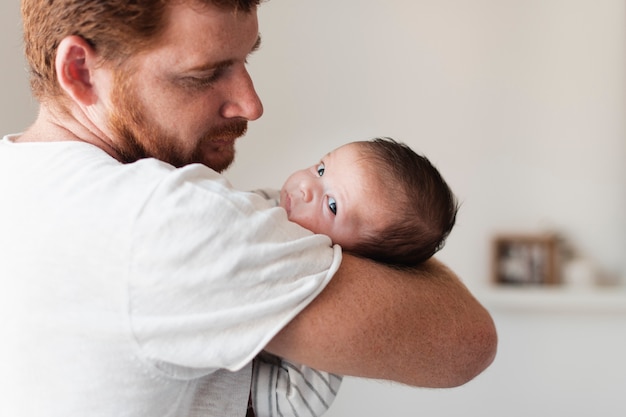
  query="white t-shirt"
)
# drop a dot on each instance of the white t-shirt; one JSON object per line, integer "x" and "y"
{"x": 140, "y": 289}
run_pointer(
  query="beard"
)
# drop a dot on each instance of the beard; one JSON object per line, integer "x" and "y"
{"x": 138, "y": 137}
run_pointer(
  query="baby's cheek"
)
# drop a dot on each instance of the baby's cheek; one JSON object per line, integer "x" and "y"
{"x": 312, "y": 223}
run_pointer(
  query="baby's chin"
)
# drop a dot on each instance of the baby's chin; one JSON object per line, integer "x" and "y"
{"x": 285, "y": 202}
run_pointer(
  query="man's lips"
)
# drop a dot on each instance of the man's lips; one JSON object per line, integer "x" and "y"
{"x": 227, "y": 135}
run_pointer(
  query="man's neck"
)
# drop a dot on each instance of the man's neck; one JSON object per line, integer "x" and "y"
{"x": 57, "y": 126}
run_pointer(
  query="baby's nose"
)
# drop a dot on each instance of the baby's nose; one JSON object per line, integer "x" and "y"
{"x": 308, "y": 190}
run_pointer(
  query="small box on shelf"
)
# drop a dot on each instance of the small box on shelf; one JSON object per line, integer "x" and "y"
{"x": 525, "y": 259}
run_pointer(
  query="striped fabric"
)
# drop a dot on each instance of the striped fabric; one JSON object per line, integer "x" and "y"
{"x": 284, "y": 389}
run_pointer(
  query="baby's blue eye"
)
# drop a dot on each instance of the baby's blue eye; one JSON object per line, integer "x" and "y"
{"x": 332, "y": 205}
{"x": 320, "y": 169}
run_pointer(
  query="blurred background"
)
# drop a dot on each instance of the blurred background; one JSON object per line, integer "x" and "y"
{"x": 521, "y": 104}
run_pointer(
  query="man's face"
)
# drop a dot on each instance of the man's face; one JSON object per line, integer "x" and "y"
{"x": 190, "y": 97}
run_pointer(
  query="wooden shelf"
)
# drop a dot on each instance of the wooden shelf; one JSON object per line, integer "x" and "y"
{"x": 554, "y": 299}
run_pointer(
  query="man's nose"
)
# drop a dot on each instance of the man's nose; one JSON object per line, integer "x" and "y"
{"x": 243, "y": 102}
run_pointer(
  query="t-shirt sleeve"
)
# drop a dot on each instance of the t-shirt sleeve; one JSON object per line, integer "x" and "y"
{"x": 215, "y": 273}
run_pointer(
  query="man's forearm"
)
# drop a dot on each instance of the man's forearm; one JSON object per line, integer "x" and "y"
{"x": 420, "y": 327}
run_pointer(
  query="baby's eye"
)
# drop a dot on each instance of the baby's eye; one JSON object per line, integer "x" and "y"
{"x": 320, "y": 169}
{"x": 332, "y": 205}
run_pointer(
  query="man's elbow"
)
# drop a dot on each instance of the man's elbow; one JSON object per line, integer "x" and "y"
{"x": 477, "y": 350}
{"x": 455, "y": 357}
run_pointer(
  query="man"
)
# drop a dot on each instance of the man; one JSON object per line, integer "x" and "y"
{"x": 136, "y": 281}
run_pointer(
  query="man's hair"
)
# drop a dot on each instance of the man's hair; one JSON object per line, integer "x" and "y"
{"x": 116, "y": 29}
{"x": 424, "y": 207}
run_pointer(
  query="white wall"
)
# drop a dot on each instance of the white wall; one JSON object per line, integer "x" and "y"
{"x": 520, "y": 103}
{"x": 17, "y": 108}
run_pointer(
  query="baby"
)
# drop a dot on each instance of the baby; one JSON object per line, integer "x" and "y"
{"x": 376, "y": 199}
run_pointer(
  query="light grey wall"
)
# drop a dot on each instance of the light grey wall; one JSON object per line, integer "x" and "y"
{"x": 17, "y": 108}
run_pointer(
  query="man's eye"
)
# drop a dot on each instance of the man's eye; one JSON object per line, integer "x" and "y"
{"x": 320, "y": 169}
{"x": 197, "y": 82}
{"x": 332, "y": 205}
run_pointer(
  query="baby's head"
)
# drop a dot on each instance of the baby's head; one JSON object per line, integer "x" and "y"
{"x": 378, "y": 199}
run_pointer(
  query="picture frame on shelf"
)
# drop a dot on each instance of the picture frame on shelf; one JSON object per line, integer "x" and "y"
{"x": 525, "y": 259}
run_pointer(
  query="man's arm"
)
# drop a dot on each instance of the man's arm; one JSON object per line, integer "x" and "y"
{"x": 420, "y": 327}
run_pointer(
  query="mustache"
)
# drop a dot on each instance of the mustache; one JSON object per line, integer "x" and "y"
{"x": 229, "y": 131}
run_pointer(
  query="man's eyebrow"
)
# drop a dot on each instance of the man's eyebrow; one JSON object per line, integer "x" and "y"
{"x": 226, "y": 63}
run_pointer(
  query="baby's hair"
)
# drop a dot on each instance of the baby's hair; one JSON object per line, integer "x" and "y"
{"x": 424, "y": 208}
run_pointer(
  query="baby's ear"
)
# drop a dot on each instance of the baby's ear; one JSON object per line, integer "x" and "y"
{"x": 74, "y": 64}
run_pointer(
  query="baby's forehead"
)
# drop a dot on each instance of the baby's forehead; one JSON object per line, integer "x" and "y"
{"x": 349, "y": 146}
{"x": 353, "y": 152}
{"x": 370, "y": 178}
{"x": 358, "y": 162}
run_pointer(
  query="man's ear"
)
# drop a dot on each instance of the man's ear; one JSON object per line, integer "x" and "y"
{"x": 75, "y": 63}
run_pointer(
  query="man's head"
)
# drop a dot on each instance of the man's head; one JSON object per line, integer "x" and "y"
{"x": 150, "y": 78}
